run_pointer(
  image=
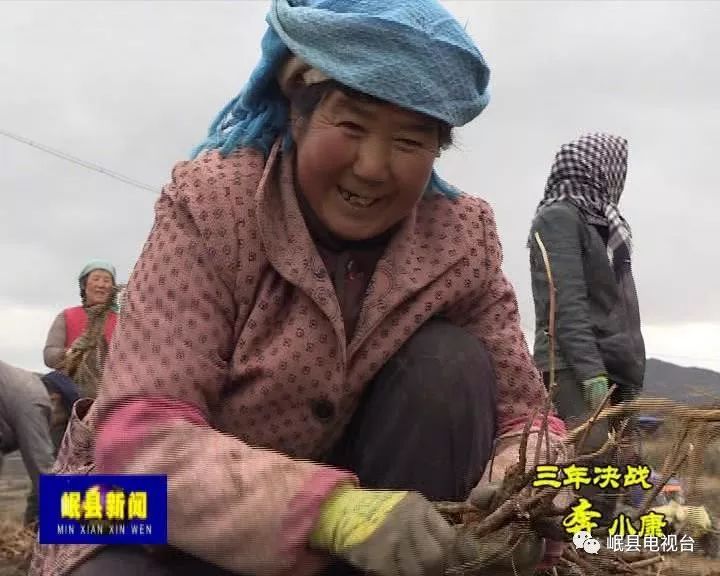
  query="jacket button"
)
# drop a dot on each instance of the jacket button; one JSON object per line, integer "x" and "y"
{"x": 322, "y": 409}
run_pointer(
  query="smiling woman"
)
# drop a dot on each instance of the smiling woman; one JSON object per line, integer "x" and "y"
{"x": 362, "y": 165}
{"x": 79, "y": 338}
{"x": 318, "y": 325}
{"x": 97, "y": 283}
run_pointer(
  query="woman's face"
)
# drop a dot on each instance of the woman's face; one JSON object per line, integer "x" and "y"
{"x": 362, "y": 166}
{"x": 98, "y": 287}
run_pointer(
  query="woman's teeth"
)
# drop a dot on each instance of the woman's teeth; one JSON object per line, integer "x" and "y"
{"x": 356, "y": 200}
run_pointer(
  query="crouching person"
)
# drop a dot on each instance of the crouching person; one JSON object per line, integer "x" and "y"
{"x": 318, "y": 340}
{"x": 34, "y": 411}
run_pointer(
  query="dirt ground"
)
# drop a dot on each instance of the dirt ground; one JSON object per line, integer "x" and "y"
{"x": 14, "y": 487}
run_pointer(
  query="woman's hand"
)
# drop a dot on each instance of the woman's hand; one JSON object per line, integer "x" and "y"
{"x": 525, "y": 557}
{"x": 390, "y": 533}
{"x": 595, "y": 390}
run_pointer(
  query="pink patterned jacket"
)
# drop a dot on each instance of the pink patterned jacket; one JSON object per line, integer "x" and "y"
{"x": 231, "y": 331}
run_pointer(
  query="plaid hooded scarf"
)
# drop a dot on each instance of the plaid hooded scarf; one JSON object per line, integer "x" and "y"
{"x": 590, "y": 173}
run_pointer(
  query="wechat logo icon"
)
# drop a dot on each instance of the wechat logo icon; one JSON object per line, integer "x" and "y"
{"x": 586, "y": 542}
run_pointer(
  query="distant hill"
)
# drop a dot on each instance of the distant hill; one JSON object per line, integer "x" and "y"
{"x": 688, "y": 385}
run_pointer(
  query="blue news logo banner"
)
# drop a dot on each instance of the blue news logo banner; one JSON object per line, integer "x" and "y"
{"x": 102, "y": 509}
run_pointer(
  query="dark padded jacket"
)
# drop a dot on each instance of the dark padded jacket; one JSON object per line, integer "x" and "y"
{"x": 597, "y": 317}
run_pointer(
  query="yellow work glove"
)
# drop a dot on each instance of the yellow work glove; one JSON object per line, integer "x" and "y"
{"x": 594, "y": 390}
{"x": 389, "y": 533}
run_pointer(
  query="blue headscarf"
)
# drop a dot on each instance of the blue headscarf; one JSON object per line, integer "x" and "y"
{"x": 411, "y": 53}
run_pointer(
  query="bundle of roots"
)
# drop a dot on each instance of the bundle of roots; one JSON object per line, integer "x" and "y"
{"x": 521, "y": 511}
{"x": 85, "y": 360}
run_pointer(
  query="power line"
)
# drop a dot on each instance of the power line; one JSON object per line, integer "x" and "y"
{"x": 80, "y": 162}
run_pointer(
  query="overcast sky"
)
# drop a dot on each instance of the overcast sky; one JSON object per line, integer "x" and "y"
{"x": 132, "y": 86}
